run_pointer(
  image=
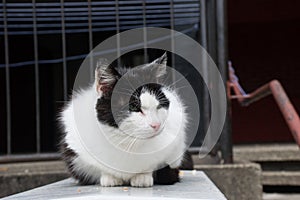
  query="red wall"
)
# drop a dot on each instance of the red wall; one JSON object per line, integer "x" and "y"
{"x": 264, "y": 44}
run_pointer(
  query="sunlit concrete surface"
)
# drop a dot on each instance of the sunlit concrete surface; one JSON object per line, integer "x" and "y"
{"x": 193, "y": 185}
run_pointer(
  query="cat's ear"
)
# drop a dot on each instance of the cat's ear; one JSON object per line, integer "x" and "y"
{"x": 105, "y": 76}
{"x": 161, "y": 64}
{"x": 162, "y": 60}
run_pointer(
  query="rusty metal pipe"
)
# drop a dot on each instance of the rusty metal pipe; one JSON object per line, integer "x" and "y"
{"x": 287, "y": 109}
{"x": 275, "y": 88}
{"x": 258, "y": 94}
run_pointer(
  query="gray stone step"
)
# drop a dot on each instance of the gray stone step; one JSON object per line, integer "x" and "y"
{"x": 281, "y": 196}
{"x": 285, "y": 178}
{"x": 267, "y": 152}
{"x": 279, "y": 162}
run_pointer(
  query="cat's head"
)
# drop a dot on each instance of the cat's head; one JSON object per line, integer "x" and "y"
{"x": 139, "y": 112}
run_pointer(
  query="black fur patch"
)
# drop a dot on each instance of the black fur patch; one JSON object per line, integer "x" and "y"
{"x": 187, "y": 162}
{"x": 108, "y": 75}
{"x": 104, "y": 110}
{"x": 169, "y": 176}
{"x": 153, "y": 88}
{"x": 68, "y": 155}
{"x": 166, "y": 176}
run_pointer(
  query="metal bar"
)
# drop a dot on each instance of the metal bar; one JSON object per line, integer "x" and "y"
{"x": 211, "y": 28}
{"x": 7, "y": 82}
{"x": 159, "y": 22}
{"x": 102, "y": 18}
{"x": 125, "y": 27}
{"x": 258, "y": 94}
{"x": 222, "y": 60}
{"x": 90, "y": 25}
{"x": 275, "y": 88}
{"x": 29, "y": 157}
{"x": 118, "y": 31}
{"x": 97, "y": 14}
{"x": 64, "y": 51}
{"x": 203, "y": 24}
{"x": 36, "y": 79}
{"x": 50, "y": 61}
{"x": 203, "y": 40}
{"x": 55, "y": 12}
{"x": 77, "y": 57}
{"x": 145, "y": 33}
{"x": 79, "y": 4}
{"x": 287, "y": 109}
{"x": 99, "y": 3}
{"x": 98, "y": 23}
{"x": 172, "y": 24}
{"x": 209, "y": 37}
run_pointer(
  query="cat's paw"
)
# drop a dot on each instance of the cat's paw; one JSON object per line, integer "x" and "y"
{"x": 142, "y": 180}
{"x": 110, "y": 181}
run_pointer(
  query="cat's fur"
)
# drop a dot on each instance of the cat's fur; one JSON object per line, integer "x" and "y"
{"x": 156, "y": 116}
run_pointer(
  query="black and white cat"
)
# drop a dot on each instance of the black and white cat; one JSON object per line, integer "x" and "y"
{"x": 155, "y": 119}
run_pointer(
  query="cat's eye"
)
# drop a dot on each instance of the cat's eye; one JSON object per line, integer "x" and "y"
{"x": 159, "y": 107}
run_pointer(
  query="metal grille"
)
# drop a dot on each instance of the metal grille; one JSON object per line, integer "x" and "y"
{"x": 44, "y": 43}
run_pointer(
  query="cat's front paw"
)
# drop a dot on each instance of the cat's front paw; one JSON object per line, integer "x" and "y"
{"x": 107, "y": 180}
{"x": 142, "y": 180}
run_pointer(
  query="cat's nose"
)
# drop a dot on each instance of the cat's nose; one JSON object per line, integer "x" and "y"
{"x": 155, "y": 126}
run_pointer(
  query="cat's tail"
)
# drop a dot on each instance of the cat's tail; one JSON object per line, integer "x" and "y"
{"x": 169, "y": 176}
{"x": 166, "y": 176}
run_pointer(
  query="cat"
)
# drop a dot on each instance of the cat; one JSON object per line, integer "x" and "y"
{"x": 153, "y": 117}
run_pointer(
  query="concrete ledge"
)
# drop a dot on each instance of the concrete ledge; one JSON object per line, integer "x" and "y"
{"x": 236, "y": 181}
{"x": 193, "y": 185}
{"x": 19, "y": 177}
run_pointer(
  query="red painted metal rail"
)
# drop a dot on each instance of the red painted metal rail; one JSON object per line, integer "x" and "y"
{"x": 275, "y": 88}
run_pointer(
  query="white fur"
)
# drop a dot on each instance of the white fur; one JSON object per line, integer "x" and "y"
{"x": 79, "y": 119}
{"x": 141, "y": 122}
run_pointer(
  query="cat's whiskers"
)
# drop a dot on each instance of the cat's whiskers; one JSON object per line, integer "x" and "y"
{"x": 123, "y": 140}
{"x": 128, "y": 136}
{"x": 135, "y": 129}
{"x": 160, "y": 96}
{"x": 131, "y": 145}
